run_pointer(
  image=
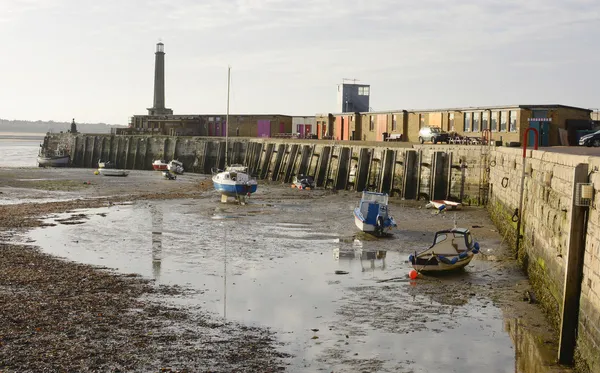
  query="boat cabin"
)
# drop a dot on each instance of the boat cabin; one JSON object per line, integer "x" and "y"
{"x": 449, "y": 242}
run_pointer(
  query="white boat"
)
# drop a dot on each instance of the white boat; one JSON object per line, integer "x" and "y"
{"x": 112, "y": 172}
{"x": 371, "y": 215}
{"x": 175, "y": 167}
{"x": 452, "y": 249}
{"x": 159, "y": 165}
{"x": 442, "y": 204}
{"x": 57, "y": 159}
{"x": 235, "y": 181}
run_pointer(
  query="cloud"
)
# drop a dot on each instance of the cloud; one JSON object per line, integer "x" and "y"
{"x": 424, "y": 46}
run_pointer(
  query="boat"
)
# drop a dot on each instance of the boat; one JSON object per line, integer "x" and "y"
{"x": 371, "y": 215}
{"x": 452, "y": 249}
{"x": 175, "y": 167}
{"x": 169, "y": 175}
{"x": 107, "y": 164}
{"x": 159, "y": 165}
{"x": 53, "y": 159}
{"x": 112, "y": 172}
{"x": 235, "y": 181}
{"x": 442, "y": 204}
{"x": 303, "y": 182}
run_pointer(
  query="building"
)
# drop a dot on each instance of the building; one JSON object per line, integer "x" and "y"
{"x": 161, "y": 120}
{"x": 304, "y": 126}
{"x": 556, "y": 124}
{"x": 353, "y": 97}
{"x": 245, "y": 125}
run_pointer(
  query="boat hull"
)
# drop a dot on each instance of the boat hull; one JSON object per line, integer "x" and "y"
{"x": 53, "y": 161}
{"x": 366, "y": 227}
{"x": 112, "y": 172}
{"x": 448, "y": 205}
{"x": 235, "y": 189}
{"x": 159, "y": 167}
{"x": 443, "y": 267}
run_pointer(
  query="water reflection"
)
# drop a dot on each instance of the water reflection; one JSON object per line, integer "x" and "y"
{"x": 369, "y": 259}
{"x": 157, "y": 227}
{"x": 532, "y": 353}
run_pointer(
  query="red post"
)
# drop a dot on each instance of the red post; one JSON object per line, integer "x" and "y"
{"x": 525, "y": 138}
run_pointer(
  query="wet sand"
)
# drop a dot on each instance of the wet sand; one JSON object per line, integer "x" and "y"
{"x": 73, "y": 317}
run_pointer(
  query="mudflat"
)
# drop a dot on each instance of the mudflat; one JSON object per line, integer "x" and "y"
{"x": 59, "y": 315}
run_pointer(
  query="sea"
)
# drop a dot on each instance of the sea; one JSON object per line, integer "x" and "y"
{"x": 18, "y": 149}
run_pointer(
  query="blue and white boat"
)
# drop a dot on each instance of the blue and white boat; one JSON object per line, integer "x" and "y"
{"x": 372, "y": 215}
{"x": 235, "y": 182}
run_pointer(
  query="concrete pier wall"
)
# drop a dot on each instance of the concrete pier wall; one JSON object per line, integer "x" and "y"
{"x": 478, "y": 175}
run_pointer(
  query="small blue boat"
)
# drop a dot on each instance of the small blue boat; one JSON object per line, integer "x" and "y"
{"x": 372, "y": 215}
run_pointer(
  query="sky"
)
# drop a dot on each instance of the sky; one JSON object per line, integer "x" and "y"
{"x": 94, "y": 60}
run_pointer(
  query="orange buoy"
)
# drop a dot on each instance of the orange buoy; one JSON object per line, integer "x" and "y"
{"x": 413, "y": 274}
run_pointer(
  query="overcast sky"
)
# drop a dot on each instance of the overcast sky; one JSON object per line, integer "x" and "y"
{"x": 94, "y": 60}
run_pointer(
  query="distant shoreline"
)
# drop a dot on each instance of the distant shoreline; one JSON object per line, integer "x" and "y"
{"x": 21, "y": 134}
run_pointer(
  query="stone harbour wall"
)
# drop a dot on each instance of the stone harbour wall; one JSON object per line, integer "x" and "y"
{"x": 545, "y": 229}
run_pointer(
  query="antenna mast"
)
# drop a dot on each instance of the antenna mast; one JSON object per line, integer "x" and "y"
{"x": 227, "y": 114}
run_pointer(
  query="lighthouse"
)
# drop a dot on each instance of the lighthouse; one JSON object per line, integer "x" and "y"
{"x": 159, "y": 83}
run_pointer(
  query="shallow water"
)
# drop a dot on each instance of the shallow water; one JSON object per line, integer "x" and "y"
{"x": 19, "y": 150}
{"x": 273, "y": 264}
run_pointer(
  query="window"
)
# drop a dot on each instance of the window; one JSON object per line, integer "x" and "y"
{"x": 503, "y": 121}
{"x": 467, "y": 122}
{"x": 494, "y": 124}
{"x": 363, "y": 91}
{"x": 394, "y": 123}
{"x": 421, "y": 120}
{"x": 451, "y": 121}
{"x": 372, "y": 123}
{"x": 476, "y": 117}
{"x": 484, "y": 121}
{"x": 513, "y": 121}
{"x": 211, "y": 119}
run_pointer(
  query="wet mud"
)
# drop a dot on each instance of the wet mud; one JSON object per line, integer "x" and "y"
{"x": 288, "y": 272}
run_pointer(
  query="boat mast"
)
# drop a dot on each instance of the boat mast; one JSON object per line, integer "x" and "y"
{"x": 227, "y": 114}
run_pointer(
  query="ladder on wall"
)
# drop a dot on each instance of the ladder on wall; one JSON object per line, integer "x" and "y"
{"x": 484, "y": 170}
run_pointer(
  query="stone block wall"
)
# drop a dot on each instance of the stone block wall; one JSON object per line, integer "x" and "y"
{"x": 545, "y": 229}
{"x": 589, "y": 313}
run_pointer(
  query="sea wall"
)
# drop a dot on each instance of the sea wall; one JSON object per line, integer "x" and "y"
{"x": 545, "y": 229}
{"x": 422, "y": 172}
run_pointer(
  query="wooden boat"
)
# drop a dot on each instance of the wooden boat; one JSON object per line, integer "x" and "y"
{"x": 159, "y": 165}
{"x": 112, "y": 172}
{"x": 371, "y": 215}
{"x": 452, "y": 249}
{"x": 442, "y": 204}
